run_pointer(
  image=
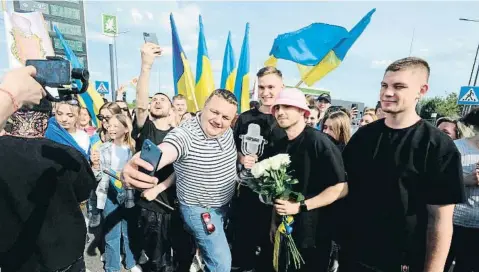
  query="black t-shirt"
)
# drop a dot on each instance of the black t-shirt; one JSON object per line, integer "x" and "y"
{"x": 393, "y": 174}
{"x": 150, "y": 132}
{"x": 317, "y": 164}
{"x": 270, "y": 130}
{"x": 41, "y": 186}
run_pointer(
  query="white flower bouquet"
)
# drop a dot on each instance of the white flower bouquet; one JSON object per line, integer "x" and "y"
{"x": 273, "y": 181}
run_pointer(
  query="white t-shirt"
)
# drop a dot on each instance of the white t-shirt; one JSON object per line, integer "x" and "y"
{"x": 119, "y": 157}
{"x": 82, "y": 139}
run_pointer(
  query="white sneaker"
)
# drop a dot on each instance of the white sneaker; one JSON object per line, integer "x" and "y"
{"x": 136, "y": 268}
{"x": 102, "y": 257}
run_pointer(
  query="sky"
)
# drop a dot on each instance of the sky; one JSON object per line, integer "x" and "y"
{"x": 433, "y": 28}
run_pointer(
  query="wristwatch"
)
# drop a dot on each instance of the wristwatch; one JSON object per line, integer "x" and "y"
{"x": 302, "y": 206}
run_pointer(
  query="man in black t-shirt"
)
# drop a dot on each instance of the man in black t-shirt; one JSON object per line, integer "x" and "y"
{"x": 42, "y": 184}
{"x": 245, "y": 242}
{"x": 317, "y": 164}
{"x": 157, "y": 222}
{"x": 404, "y": 177}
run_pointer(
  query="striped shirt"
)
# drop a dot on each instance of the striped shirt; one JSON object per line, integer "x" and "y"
{"x": 205, "y": 167}
{"x": 467, "y": 214}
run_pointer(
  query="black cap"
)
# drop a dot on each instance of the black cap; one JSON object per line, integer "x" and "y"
{"x": 324, "y": 96}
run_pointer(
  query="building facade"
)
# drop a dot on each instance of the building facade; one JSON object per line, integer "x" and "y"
{"x": 68, "y": 16}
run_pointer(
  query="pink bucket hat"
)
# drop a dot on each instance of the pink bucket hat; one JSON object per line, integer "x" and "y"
{"x": 292, "y": 97}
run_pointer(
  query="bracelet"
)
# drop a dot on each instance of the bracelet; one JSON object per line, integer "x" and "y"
{"x": 14, "y": 102}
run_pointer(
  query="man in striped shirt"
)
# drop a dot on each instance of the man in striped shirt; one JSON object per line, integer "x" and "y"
{"x": 203, "y": 152}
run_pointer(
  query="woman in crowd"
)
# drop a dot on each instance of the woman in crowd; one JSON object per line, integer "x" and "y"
{"x": 67, "y": 116}
{"x": 85, "y": 122}
{"x": 106, "y": 112}
{"x": 367, "y": 118}
{"x": 465, "y": 240}
{"x": 111, "y": 196}
{"x": 338, "y": 126}
{"x": 124, "y": 108}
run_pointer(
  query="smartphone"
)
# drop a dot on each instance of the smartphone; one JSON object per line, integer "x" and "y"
{"x": 52, "y": 73}
{"x": 354, "y": 105}
{"x": 150, "y": 38}
{"x": 151, "y": 154}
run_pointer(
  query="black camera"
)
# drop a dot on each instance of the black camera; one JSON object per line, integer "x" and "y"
{"x": 56, "y": 72}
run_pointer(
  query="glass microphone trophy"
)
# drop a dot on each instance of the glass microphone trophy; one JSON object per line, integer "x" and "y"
{"x": 252, "y": 143}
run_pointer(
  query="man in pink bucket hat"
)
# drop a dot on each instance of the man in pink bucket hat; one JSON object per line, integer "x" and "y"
{"x": 317, "y": 164}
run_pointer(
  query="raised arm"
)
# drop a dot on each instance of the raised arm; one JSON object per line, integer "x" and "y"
{"x": 149, "y": 52}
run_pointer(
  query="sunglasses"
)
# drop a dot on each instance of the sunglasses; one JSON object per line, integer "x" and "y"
{"x": 101, "y": 118}
{"x": 206, "y": 218}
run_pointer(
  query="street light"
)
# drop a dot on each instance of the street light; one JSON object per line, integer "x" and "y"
{"x": 466, "y": 108}
{"x": 113, "y": 92}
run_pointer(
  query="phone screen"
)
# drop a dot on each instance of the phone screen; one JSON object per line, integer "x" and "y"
{"x": 52, "y": 73}
{"x": 150, "y": 38}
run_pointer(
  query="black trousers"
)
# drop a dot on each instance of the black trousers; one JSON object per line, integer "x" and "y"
{"x": 162, "y": 233}
{"x": 249, "y": 226}
{"x": 464, "y": 249}
{"x": 315, "y": 259}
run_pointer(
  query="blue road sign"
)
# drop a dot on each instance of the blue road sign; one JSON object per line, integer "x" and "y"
{"x": 102, "y": 87}
{"x": 468, "y": 95}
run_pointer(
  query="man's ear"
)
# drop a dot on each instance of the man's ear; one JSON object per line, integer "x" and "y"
{"x": 423, "y": 91}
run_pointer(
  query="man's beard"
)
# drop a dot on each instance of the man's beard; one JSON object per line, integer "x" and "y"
{"x": 158, "y": 116}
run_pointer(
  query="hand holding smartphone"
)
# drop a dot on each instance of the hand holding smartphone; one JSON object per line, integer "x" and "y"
{"x": 150, "y": 38}
{"x": 151, "y": 154}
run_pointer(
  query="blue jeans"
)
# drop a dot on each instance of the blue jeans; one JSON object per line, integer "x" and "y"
{"x": 214, "y": 247}
{"x": 116, "y": 226}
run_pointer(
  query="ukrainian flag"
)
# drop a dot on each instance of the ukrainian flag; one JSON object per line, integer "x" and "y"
{"x": 90, "y": 99}
{"x": 318, "y": 49}
{"x": 241, "y": 89}
{"x": 228, "y": 75}
{"x": 182, "y": 75}
{"x": 95, "y": 142}
{"x": 204, "y": 75}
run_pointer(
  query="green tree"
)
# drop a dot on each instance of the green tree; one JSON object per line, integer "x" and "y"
{"x": 442, "y": 105}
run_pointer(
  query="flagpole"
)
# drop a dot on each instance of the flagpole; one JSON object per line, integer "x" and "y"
{"x": 299, "y": 84}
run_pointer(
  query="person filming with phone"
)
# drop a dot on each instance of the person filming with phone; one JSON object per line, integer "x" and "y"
{"x": 42, "y": 184}
{"x": 203, "y": 152}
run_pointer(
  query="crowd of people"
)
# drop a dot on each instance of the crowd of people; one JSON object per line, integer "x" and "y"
{"x": 388, "y": 196}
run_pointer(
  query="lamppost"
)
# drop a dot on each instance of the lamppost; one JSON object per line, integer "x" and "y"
{"x": 116, "y": 85}
{"x": 466, "y": 109}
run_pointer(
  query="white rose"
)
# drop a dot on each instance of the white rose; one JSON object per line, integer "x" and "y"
{"x": 275, "y": 163}
{"x": 257, "y": 170}
{"x": 284, "y": 159}
{"x": 266, "y": 164}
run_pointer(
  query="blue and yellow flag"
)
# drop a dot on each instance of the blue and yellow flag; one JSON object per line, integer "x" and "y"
{"x": 204, "y": 74}
{"x": 242, "y": 78}
{"x": 333, "y": 59}
{"x": 228, "y": 74}
{"x": 306, "y": 46}
{"x": 182, "y": 75}
{"x": 316, "y": 49}
{"x": 91, "y": 99}
{"x": 95, "y": 142}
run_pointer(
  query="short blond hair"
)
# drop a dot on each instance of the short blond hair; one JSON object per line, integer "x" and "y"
{"x": 269, "y": 70}
{"x": 223, "y": 94}
{"x": 409, "y": 63}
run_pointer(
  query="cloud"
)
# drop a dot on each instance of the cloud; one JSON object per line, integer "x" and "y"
{"x": 136, "y": 15}
{"x": 380, "y": 64}
{"x": 119, "y": 9}
{"x": 149, "y": 15}
{"x": 186, "y": 19}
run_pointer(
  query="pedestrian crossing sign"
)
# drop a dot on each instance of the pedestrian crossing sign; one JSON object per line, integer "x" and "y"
{"x": 102, "y": 87}
{"x": 468, "y": 95}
